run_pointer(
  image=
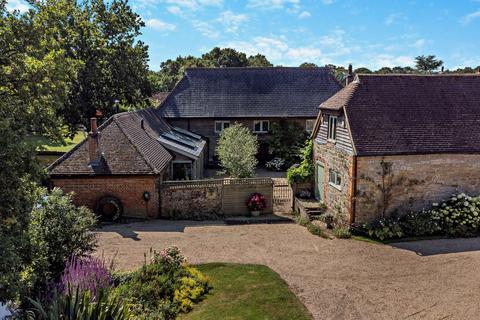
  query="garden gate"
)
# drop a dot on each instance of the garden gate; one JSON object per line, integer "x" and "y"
{"x": 282, "y": 196}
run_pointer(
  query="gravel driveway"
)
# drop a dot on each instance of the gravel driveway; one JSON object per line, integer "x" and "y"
{"x": 336, "y": 279}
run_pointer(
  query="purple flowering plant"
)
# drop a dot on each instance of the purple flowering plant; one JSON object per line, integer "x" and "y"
{"x": 87, "y": 274}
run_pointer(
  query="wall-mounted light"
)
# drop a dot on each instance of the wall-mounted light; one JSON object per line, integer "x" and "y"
{"x": 146, "y": 195}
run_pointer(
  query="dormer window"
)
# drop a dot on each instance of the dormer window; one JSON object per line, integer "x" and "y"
{"x": 332, "y": 128}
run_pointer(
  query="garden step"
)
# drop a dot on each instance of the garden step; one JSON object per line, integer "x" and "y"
{"x": 268, "y": 218}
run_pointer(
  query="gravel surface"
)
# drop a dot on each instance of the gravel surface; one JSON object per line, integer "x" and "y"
{"x": 336, "y": 279}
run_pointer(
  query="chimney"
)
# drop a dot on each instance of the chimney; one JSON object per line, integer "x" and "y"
{"x": 443, "y": 69}
{"x": 349, "y": 77}
{"x": 93, "y": 141}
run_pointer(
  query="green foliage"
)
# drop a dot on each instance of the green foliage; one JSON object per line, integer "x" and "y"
{"x": 305, "y": 171}
{"x": 80, "y": 305}
{"x": 57, "y": 231}
{"x": 316, "y": 230}
{"x": 384, "y": 228}
{"x": 420, "y": 223}
{"x": 162, "y": 288}
{"x": 303, "y": 221}
{"x": 342, "y": 232}
{"x": 236, "y": 150}
{"x": 171, "y": 71}
{"x": 286, "y": 141}
{"x": 308, "y": 65}
{"x": 427, "y": 63}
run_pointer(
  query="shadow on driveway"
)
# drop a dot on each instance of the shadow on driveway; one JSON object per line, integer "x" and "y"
{"x": 439, "y": 246}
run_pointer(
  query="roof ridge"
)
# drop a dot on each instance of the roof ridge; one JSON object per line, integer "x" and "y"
{"x": 134, "y": 145}
{"x": 257, "y": 68}
{"x": 419, "y": 75}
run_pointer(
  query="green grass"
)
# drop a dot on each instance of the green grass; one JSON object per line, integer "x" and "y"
{"x": 246, "y": 292}
{"x": 45, "y": 144}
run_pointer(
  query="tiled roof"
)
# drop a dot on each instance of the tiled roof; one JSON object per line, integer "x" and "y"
{"x": 412, "y": 114}
{"x": 250, "y": 92}
{"x": 128, "y": 148}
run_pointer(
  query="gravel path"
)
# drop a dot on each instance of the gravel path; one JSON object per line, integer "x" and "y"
{"x": 336, "y": 279}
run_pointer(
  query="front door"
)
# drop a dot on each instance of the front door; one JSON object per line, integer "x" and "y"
{"x": 319, "y": 181}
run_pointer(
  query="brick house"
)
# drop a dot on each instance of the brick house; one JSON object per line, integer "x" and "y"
{"x": 394, "y": 143}
{"x": 207, "y": 100}
{"x": 119, "y": 166}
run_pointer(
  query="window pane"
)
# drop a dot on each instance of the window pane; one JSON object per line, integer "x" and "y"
{"x": 218, "y": 126}
{"x": 181, "y": 171}
{"x": 309, "y": 125}
{"x": 226, "y": 125}
{"x": 265, "y": 126}
{"x": 339, "y": 180}
{"x": 257, "y": 126}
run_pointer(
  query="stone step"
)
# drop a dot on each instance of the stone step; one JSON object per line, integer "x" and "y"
{"x": 267, "y": 219}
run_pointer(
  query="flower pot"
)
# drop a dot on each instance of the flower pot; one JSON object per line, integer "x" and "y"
{"x": 255, "y": 213}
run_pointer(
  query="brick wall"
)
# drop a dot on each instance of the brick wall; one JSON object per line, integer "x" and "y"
{"x": 129, "y": 189}
{"x": 415, "y": 182}
{"x": 338, "y": 200}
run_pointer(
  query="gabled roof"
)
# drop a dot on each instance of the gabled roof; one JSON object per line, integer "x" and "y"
{"x": 411, "y": 114}
{"x": 250, "y": 92}
{"x": 129, "y": 143}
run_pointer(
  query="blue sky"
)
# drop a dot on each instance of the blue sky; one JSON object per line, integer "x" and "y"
{"x": 370, "y": 33}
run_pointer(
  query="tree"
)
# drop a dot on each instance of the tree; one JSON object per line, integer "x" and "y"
{"x": 236, "y": 149}
{"x": 308, "y": 65}
{"x": 384, "y": 70}
{"x": 171, "y": 71}
{"x": 287, "y": 139}
{"x": 427, "y": 63}
{"x": 259, "y": 60}
{"x": 35, "y": 73}
{"x": 362, "y": 70}
{"x": 114, "y": 63}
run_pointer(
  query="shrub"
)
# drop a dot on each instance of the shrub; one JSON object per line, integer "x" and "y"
{"x": 277, "y": 164}
{"x": 58, "y": 230}
{"x": 420, "y": 223}
{"x": 237, "y": 148}
{"x": 384, "y": 228}
{"x": 342, "y": 232}
{"x": 163, "y": 287}
{"x": 458, "y": 216}
{"x": 315, "y": 230}
{"x": 303, "y": 221}
{"x": 304, "y": 172}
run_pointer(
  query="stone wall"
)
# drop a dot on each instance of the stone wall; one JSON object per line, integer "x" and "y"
{"x": 338, "y": 200}
{"x": 209, "y": 199}
{"x": 191, "y": 199}
{"x": 128, "y": 189}
{"x": 415, "y": 182}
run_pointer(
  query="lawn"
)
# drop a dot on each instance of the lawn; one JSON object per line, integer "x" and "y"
{"x": 45, "y": 144}
{"x": 242, "y": 291}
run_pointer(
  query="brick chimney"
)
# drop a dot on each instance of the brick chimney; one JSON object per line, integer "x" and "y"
{"x": 349, "y": 77}
{"x": 93, "y": 151}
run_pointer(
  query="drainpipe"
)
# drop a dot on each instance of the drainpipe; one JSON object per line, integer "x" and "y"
{"x": 353, "y": 190}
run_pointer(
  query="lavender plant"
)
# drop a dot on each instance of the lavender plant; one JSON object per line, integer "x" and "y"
{"x": 87, "y": 274}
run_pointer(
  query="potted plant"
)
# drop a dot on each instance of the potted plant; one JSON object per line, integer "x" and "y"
{"x": 256, "y": 203}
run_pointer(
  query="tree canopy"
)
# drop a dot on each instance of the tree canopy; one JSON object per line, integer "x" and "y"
{"x": 427, "y": 63}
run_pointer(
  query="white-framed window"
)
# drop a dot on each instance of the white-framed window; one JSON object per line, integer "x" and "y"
{"x": 309, "y": 124}
{"x": 261, "y": 126}
{"x": 221, "y": 125}
{"x": 334, "y": 179}
{"x": 332, "y": 127}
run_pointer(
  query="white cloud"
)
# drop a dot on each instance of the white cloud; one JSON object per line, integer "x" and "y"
{"x": 304, "y": 53}
{"x": 304, "y": 14}
{"x": 159, "y": 25}
{"x": 470, "y": 17}
{"x": 206, "y": 29}
{"x": 272, "y": 4}
{"x": 388, "y": 60}
{"x": 232, "y": 21}
{"x": 18, "y": 5}
{"x": 392, "y": 18}
{"x": 174, "y": 10}
{"x": 420, "y": 43}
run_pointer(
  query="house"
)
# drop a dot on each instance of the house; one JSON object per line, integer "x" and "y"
{"x": 389, "y": 144}
{"x": 118, "y": 167}
{"x": 208, "y": 100}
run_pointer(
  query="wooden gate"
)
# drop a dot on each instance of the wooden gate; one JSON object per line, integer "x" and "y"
{"x": 282, "y": 196}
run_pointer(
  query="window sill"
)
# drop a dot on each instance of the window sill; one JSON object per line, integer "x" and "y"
{"x": 339, "y": 188}
{"x": 332, "y": 141}
{"x": 260, "y": 132}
